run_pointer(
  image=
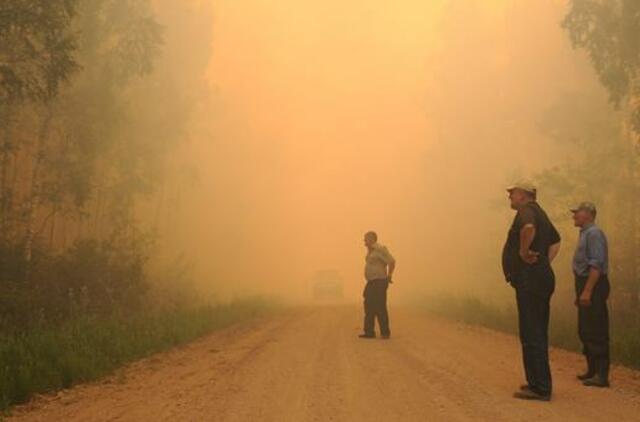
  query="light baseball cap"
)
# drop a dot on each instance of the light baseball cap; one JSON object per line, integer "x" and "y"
{"x": 524, "y": 186}
{"x": 584, "y": 206}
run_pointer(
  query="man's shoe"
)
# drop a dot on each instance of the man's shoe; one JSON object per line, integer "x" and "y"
{"x": 596, "y": 382}
{"x": 367, "y": 336}
{"x": 385, "y": 336}
{"x": 586, "y": 376}
{"x": 531, "y": 395}
{"x": 591, "y": 369}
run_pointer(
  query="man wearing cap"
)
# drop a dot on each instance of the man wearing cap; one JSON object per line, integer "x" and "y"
{"x": 532, "y": 244}
{"x": 590, "y": 267}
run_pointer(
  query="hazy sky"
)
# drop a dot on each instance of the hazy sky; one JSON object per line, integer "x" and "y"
{"x": 331, "y": 118}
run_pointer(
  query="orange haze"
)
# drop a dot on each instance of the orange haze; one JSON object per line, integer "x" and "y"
{"x": 327, "y": 119}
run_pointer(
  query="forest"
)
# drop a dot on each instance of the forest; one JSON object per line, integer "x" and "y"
{"x": 142, "y": 158}
{"x": 93, "y": 119}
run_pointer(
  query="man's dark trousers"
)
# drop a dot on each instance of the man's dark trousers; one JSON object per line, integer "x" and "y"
{"x": 375, "y": 306}
{"x": 593, "y": 325}
{"x": 534, "y": 287}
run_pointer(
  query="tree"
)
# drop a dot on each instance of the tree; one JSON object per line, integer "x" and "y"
{"x": 36, "y": 56}
{"x": 609, "y": 31}
{"x": 64, "y": 146}
{"x": 36, "y": 48}
{"x": 92, "y": 126}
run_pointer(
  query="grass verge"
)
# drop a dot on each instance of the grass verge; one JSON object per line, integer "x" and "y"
{"x": 625, "y": 326}
{"x": 47, "y": 359}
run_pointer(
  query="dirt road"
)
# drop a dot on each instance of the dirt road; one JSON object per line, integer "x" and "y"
{"x": 308, "y": 365}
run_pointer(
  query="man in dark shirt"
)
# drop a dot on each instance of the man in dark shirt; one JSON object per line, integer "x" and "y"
{"x": 532, "y": 244}
{"x": 591, "y": 267}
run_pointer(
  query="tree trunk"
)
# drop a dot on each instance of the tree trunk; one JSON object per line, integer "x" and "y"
{"x": 4, "y": 163}
{"x": 159, "y": 206}
{"x": 96, "y": 221}
{"x": 52, "y": 232}
{"x": 35, "y": 195}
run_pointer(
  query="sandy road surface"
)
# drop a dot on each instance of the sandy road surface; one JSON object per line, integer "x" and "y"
{"x": 308, "y": 365}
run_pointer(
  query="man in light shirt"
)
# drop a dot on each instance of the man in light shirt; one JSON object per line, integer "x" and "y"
{"x": 591, "y": 268}
{"x": 378, "y": 270}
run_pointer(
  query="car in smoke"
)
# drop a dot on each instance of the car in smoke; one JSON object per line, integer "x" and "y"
{"x": 327, "y": 285}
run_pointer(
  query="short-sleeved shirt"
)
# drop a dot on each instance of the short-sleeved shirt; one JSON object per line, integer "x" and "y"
{"x": 592, "y": 251}
{"x": 545, "y": 236}
{"x": 376, "y": 262}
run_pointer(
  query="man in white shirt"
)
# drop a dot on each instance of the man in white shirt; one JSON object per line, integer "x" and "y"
{"x": 378, "y": 270}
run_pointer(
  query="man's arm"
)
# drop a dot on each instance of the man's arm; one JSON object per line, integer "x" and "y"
{"x": 585, "y": 297}
{"x": 596, "y": 257}
{"x": 391, "y": 263}
{"x": 527, "y": 234}
{"x": 553, "y": 251}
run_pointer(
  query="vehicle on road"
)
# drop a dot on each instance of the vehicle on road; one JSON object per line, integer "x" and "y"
{"x": 327, "y": 285}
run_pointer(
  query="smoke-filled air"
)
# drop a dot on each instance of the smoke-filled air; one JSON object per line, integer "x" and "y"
{"x": 324, "y": 121}
{"x": 257, "y": 191}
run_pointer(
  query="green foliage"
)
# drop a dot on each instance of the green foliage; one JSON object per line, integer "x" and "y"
{"x": 36, "y": 48}
{"x": 50, "y": 357}
{"x": 609, "y": 31}
{"x": 75, "y": 159}
{"x": 590, "y": 134}
{"x": 66, "y": 147}
{"x": 87, "y": 125}
{"x": 599, "y": 167}
{"x": 90, "y": 278}
{"x": 120, "y": 41}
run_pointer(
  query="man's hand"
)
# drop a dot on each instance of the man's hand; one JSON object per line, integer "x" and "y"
{"x": 529, "y": 256}
{"x": 585, "y": 298}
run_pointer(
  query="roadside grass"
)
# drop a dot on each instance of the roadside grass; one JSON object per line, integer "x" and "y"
{"x": 625, "y": 326}
{"x": 46, "y": 359}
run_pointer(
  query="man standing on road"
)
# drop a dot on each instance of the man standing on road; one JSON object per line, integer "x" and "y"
{"x": 590, "y": 267}
{"x": 378, "y": 270}
{"x": 532, "y": 244}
